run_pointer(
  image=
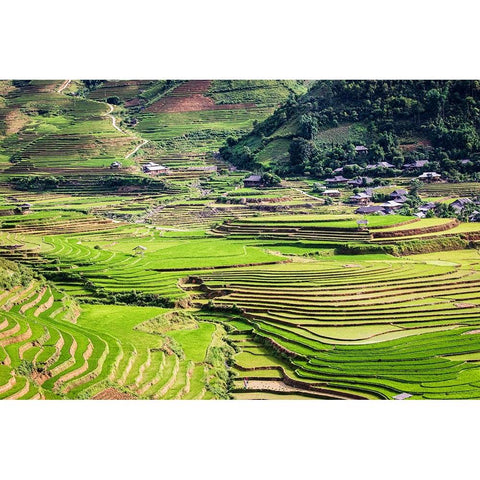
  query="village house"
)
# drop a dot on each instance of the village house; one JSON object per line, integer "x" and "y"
{"x": 360, "y": 181}
{"x": 369, "y": 210}
{"x": 458, "y": 205}
{"x": 402, "y": 199}
{"x": 360, "y": 199}
{"x": 474, "y": 217}
{"x": 362, "y": 224}
{"x": 415, "y": 165}
{"x": 155, "y": 169}
{"x": 340, "y": 169}
{"x": 385, "y": 165}
{"x": 337, "y": 180}
{"x": 398, "y": 193}
{"x": 361, "y": 149}
{"x": 430, "y": 177}
{"x": 253, "y": 181}
{"x": 391, "y": 206}
{"x": 424, "y": 209}
{"x": 332, "y": 193}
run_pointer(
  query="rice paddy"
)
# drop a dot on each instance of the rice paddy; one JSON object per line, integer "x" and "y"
{"x": 191, "y": 285}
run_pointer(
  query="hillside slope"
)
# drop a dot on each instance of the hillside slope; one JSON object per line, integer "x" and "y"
{"x": 399, "y": 121}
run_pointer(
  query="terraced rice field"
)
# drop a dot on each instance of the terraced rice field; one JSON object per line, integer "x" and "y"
{"x": 370, "y": 329}
{"x": 59, "y": 130}
{"x": 67, "y": 352}
{"x": 121, "y": 285}
{"x": 198, "y": 115}
{"x": 463, "y": 189}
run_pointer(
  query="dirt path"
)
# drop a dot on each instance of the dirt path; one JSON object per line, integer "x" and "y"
{"x": 114, "y": 124}
{"x": 64, "y": 85}
{"x": 279, "y": 386}
{"x": 138, "y": 147}
{"x": 307, "y": 194}
{"x": 114, "y": 121}
{"x": 112, "y": 394}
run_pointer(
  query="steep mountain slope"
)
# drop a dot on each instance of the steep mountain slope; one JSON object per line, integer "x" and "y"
{"x": 399, "y": 121}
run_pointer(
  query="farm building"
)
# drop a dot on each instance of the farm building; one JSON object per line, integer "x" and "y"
{"x": 402, "y": 396}
{"x": 370, "y": 210}
{"x": 154, "y": 169}
{"x": 114, "y": 165}
{"x": 430, "y": 177}
{"x": 139, "y": 250}
{"x": 253, "y": 181}
{"x": 332, "y": 193}
{"x": 361, "y": 149}
{"x": 362, "y": 224}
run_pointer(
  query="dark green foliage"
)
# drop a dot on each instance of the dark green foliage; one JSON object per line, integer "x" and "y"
{"x": 114, "y": 100}
{"x": 13, "y": 274}
{"x": 270, "y": 179}
{"x": 444, "y": 113}
{"x": 36, "y": 183}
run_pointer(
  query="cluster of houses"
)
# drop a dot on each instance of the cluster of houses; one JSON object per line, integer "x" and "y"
{"x": 407, "y": 167}
{"x": 396, "y": 202}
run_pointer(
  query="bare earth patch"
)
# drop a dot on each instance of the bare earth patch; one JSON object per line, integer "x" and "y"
{"x": 472, "y": 332}
{"x": 189, "y": 97}
{"x": 465, "y": 305}
{"x": 112, "y": 394}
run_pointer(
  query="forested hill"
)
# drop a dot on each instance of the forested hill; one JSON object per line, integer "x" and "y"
{"x": 399, "y": 121}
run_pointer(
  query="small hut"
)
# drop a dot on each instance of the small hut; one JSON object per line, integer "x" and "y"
{"x": 139, "y": 250}
{"x": 362, "y": 224}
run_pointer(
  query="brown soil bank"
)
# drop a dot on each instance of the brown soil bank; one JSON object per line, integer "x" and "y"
{"x": 417, "y": 231}
{"x": 112, "y": 394}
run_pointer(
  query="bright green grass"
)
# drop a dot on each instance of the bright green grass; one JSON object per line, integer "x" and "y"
{"x": 195, "y": 342}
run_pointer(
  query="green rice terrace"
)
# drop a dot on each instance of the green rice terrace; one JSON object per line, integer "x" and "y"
{"x": 138, "y": 262}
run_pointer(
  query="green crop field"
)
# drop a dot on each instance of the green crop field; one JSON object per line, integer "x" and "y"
{"x": 117, "y": 283}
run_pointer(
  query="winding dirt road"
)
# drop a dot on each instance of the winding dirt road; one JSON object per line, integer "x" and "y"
{"x": 144, "y": 142}
{"x": 63, "y": 86}
{"x": 66, "y": 83}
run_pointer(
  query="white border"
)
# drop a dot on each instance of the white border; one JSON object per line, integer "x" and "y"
{"x": 248, "y": 39}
